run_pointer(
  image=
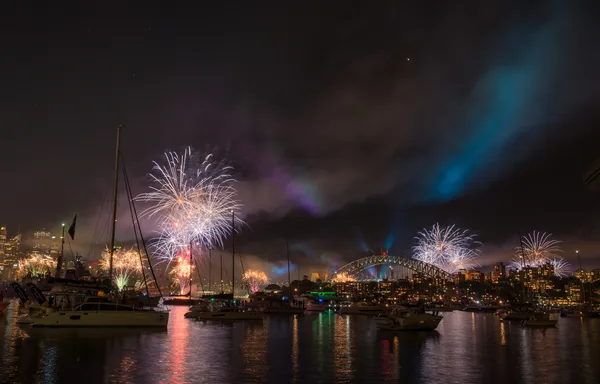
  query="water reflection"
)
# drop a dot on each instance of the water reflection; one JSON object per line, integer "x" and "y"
{"x": 319, "y": 348}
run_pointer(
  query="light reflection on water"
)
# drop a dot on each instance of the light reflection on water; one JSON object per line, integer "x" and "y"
{"x": 317, "y": 348}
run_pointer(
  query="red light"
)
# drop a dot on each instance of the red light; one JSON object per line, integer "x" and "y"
{"x": 384, "y": 253}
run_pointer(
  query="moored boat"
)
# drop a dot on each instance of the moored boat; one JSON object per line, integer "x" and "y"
{"x": 101, "y": 312}
{"x": 542, "y": 320}
{"x": 408, "y": 320}
{"x": 362, "y": 309}
{"x": 226, "y": 314}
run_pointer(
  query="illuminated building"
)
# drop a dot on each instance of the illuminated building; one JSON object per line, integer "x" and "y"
{"x": 499, "y": 272}
{"x": 573, "y": 291}
{"x": 314, "y": 277}
{"x": 9, "y": 252}
{"x": 45, "y": 243}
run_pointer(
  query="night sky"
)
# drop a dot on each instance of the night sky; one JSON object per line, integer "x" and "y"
{"x": 351, "y": 128}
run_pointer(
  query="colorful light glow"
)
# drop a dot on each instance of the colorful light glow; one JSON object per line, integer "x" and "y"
{"x": 126, "y": 265}
{"x": 255, "y": 279}
{"x": 36, "y": 265}
{"x": 538, "y": 249}
{"x": 192, "y": 204}
{"x": 343, "y": 277}
{"x": 448, "y": 248}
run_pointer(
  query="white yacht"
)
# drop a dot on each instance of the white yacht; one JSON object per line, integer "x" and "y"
{"x": 313, "y": 306}
{"x": 100, "y": 312}
{"x": 226, "y": 314}
{"x": 362, "y": 309}
{"x": 408, "y": 320}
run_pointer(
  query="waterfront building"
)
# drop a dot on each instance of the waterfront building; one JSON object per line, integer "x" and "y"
{"x": 499, "y": 272}
{"x": 9, "y": 253}
{"x": 573, "y": 291}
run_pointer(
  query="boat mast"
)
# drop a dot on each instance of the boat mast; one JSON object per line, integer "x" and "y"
{"x": 191, "y": 251}
{"x": 209, "y": 269}
{"x": 287, "y": 249}
{"x": 114, "y": 215}
{"x": 233, "y": 254}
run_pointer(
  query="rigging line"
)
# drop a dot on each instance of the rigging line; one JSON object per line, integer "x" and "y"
{"x": 199, "y": 277}
{"x": 135, "y": 232}
{"x": 243, "y": 271}
{"x": 98, "y": 222}
{"x": 137, "y": 221}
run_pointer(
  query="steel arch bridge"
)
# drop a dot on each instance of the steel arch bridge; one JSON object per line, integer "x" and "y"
{"x": 418, "y": 266}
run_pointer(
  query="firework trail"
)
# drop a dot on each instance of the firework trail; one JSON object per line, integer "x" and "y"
{"x": 538, "y": 249}
{"x": 191, "y": 203}
{"x": 180, "y": 274}
{"x": 36, "y": 265}
{"x": 255, "y": 279}
{"x": 126, "y": 265}
{"x": 343, "y": 277}
{"x": 448, "y": 248}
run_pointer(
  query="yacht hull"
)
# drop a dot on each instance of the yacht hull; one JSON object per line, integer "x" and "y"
{"x": 104, "y": 319}
{"x": 225, "y": 316}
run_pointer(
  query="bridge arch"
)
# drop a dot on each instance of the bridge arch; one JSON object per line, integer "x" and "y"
{"x": 427, "y": 269}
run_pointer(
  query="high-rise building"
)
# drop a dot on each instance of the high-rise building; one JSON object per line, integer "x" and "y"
{"x": 499, "y": 272}
{"x": 9, "y": 251}
{"x": 45, "y": 243}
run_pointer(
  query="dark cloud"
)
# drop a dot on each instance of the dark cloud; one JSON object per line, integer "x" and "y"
{"x": 378, "y": 120}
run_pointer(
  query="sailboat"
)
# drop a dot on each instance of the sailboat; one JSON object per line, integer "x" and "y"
{"x": 185, "y": 299}
{"x": 228, "y": 312}
{"x": 100, "y": 311}
{"x": 283, "y": 308}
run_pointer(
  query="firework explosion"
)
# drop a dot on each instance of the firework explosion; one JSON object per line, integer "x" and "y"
{"x": 538, "y": 249}
{"x": 36, "y": 265}
{"x": 448, "y": 248}
{"x": 342, "y": 277}
{"x": 126, "y": 265}
{"x": 190, "y": 203}
{"x": 180, "y": 274}
{"x": 255, "y": 279}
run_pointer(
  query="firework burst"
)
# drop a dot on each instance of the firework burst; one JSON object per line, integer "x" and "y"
{"x": 180, "y": 274}
{"x": 192, "y": 202}
{"x": 255, "y": 279}
{"x": 448, "y": 248}
{"x": 343, "y": 277}
{"x": 537, "y": 249}
{"x": 36, "y": 265}
{"x": 126, "y": 265}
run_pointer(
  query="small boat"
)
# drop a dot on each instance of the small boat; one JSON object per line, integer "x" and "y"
{"x": 226, "y": 314}
{"x": 516, "y": 315}
{"x": 317, "y": 307}
{"x": 408, "y": 320}
{"x": 542, "y": 320}
{"x": 481, "y": 308}
{"x": 101, "y": 312}
{"x": 362, "y": 309}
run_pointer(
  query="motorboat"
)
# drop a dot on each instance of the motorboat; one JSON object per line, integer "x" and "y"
{"x": 408, "y": 320}
{"x": 481, "y": 308}
{"x": 516, "y": 315}
{"x": 102, "y": 312}
{"x": 226, "y": 314}
{"x": 542, "y": 320}
{"x": 362, "y": 309}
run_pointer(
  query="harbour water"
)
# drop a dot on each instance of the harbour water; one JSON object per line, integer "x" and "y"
{"x": 319, "y": 348}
